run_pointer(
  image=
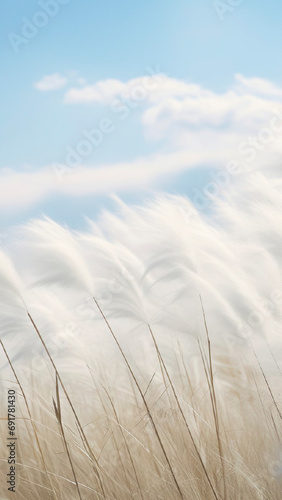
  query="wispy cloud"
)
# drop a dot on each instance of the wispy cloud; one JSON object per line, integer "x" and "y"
{"x": 100, "y": 91}
{"x": 258, "y": 86}
{"x": 151, "y": 87}
{"x": 31, "y": 186}
{"x": 51, "y": 82}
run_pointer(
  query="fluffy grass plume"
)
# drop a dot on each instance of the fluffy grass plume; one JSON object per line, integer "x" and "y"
{"x": 145, "y": 353}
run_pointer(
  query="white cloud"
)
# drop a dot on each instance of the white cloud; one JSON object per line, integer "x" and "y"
{"x": 197, "y": 127}
{"x": 101, "y": 91}
{"x": 149, "y": 88}
{"x": 184, "y": 113}
{"x": 51, "y": 82}
{"x": 176, "y": 118}
{"x": 31, "y": 186}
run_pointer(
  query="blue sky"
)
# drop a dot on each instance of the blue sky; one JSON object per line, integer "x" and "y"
{"x": 86, "y": 42}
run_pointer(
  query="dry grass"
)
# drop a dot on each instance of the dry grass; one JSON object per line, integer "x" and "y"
{"x": 158, "y": 436}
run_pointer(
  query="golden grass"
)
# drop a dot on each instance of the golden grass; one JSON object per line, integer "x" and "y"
{"x": 157, "y": 435}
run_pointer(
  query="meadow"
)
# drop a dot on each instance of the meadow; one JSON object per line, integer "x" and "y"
{"x": 145, "y": 352}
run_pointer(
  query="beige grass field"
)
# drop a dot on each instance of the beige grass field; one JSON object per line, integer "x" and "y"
{"x": 209, "y": 432}
{"x": 145, "y": 355}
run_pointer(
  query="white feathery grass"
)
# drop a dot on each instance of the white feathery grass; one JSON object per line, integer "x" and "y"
{"x": 154, "y": 397}
{"x": 10, "y": 282}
